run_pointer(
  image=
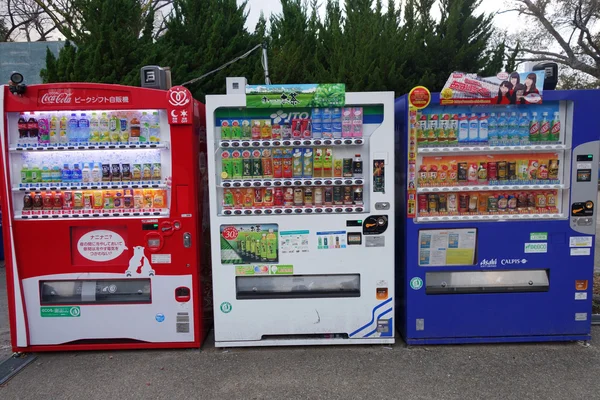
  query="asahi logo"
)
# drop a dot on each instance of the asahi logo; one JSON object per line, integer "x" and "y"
{"x": 491, "y": 263}
{"x": 56, "y": 98}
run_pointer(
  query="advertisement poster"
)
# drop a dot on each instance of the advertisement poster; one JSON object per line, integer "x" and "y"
{"x": 249, "y": 243}
{"x": 447, "y": 247}
{"x": 301, "y": 95}
{"x": 514, "y": 88}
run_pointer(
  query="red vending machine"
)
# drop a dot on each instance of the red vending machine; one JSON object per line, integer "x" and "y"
{"x": 102, "y": 206}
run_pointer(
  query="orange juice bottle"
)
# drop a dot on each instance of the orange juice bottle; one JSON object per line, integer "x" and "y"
{"x": 159, "y": 199}
{"x": 138, "y": 199}
{"x": 148, "y": 198}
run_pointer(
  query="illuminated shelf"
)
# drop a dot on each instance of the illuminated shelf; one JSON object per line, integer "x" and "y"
{"x": 35, "y": 187}
{"x": 478, "y": 188}
{"x": 333, "y": 209}
{"x": 291, "y": 182}
{"x": 89, "y": 146}
{"x": 292, "y": 142}
{"x": 87, "y": 213}
{"x": 495, "y": 217}
{"x": 491, "y": 149}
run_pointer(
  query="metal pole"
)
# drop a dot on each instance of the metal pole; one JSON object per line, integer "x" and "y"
{"x": 265, "y": 63}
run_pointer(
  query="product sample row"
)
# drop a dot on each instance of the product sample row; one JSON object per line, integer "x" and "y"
{"x": 90, "y": 173}
{"x": 493, "y": 129}
{"x": 325, "y": 123}
{"x": 293, "y": 197}
{"x": 483, "y": 203}
{"x": 99, "y": 200}
{"x": 455, "y": 173}
{"x": 288, "y": 163}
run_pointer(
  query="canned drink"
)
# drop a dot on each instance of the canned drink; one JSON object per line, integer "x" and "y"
{"x": 337, "y": 195}
{"x": 502, "y": 171}
{"x": 553, "y": 169}
{"x": 298, "y": 197}
{"x": 433, "y": 203}
{"x": 288, "y": 197}
{"x": 473, "y": 202}
{"x": 246, "y": 168}
{"x": 492, "y": 170}
{"x": 492, "y": 203}
{"x": 258, "y": 197}
{"x": 422, "y": 203}
{"x": 318, "y": 195}
{"x": 278, "y": 197}
{"x": 463, "y": 168}
{"x": 357, "y": 195}
{"x": 512, "y": 170}
{"x": 308, "y": 196}
{"x": 248, "y": 198}
{"x": 347, "y": 168}
{"x": 502, "y": 202}
{"x": 452, "y": 206}
{"x": 348, "y": 196}
{"x": 531, "y": 200}
{"x": 443, "y": 201}
{"x": 482, "y": 203}
{"x": 463, "y": 203}
{"x": 522, "y": 200}
{"x": 540, "y": 200}
{"x": 328, "y": 195}
{"x": 551, "y": 199}
{"x": 543, "y": 172}
{"x": 512, "y": 202}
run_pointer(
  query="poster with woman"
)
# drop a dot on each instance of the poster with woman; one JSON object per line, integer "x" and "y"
{"x": 504, "y": 88}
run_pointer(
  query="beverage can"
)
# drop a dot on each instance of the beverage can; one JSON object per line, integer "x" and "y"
{"x": 156, "y": 171}
{"x": 297, "y": 163}
{"x": 492, "y": 202}
{"x": 542, "y": 171}
{"x": 338, "y": 197}
{"x": 146, "y": 172}
{"x": 433, "y": 203}
{"x": 308, "y": 196}
{"x": 116, "y": 173}
{"x": 482, "y": 208}
{"x": 512, "y": 170}
{"x": 225, "y": 130}
{"x": 443, "y": 202}
{"x": 267, "y": 163}
{"x": 540, "y": 200}
{"x": 348, "y": 195}
{"x": 268, "y": 197}
{"x": 298, "y": 197}
{"x": 511, "y": 202}
{"x": 502, "y": 202}
{"x": 246, "y": 168}
{"x": 358, "y": 195}
{"x": 236, "y": 130}
{"x": 277, "y": 163}
{"x": 422, "y": 203}
{"x": 452, "y": 204}
{"x": 106, "y": 173}
{"x": 27, "y": 201}
{"x": 338, "y": 168}
{"x": 463, "y": 168}
{"x": 67, "y": 200}
{"x": 553, "y": 169}
{"x": 492, "y": 170}
{"x": 551, "y": 199}
{"x": 347, "y": 168}
{"x": 88, "y": 200}
{"x": 136, "y": 172}
{"x": 328, "y": 195}
{"x": 318, "y": 195}
{"x": 288, "y": 197}
{"x": 307, "y": 163}
{"x": 248, "y": 198}
{"x": 258, "y": 197}
{"x": 473, "y": 202}
{"x": 463, "y": 203}
{"x": 502, "y": 171}
{"x": 246, "y": 129}
{"x": 278, "y": 197}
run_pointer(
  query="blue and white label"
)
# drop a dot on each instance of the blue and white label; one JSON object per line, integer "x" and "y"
{"x": 159, "y": 317}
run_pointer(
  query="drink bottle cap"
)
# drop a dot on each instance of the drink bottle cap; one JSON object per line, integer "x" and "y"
{"x": 357, "y": 155}
{"x": 25, "y": 166}
{"x": 65, "y": 165}
{"x": 83, "y": 114}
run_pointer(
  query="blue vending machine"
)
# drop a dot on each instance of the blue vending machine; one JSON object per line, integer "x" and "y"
{"x": 499, "y": 219}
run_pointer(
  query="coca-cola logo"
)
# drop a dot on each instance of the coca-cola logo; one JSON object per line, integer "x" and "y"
{"x": 56, "y": 98}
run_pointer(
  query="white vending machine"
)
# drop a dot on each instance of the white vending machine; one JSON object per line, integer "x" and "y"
{"x": 302, "y": 211}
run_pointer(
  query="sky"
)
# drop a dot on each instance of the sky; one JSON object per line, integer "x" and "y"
{"x": 273, "y": 6}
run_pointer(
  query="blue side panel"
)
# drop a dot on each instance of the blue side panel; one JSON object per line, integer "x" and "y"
{"x": 553, "y": 315}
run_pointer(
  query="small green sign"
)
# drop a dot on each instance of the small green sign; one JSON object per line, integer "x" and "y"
{"x": 416, "y": 283}
{"x": 538, "y": 236}
{"x": 226, "y": 307}
{"x": 264, "y": 270}
{"x": 300, "y": 95}
{"x": 60, "y": 312}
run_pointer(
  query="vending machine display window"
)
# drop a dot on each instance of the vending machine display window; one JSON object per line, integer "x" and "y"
{"x": 297, "y": 286}
{"x": 114, "y": 291}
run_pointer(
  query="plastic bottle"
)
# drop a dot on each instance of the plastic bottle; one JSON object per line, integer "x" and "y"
{"x": 555, "y": 128}
{"x": 23, "y": 130}
{"x": 463, "y": 129}
{"x": 534, "y": 128}
{"x": 25, "y": 174}
{"x": 544, "y": 128}
{"x": 113, "y": 128}
{"x": 54, "y": 130}
{"x": 473, "y": 128}
{"x": 72, "y": 132}
{"x": 66, "y": 174}
{"x": 83, "y": 129}
{"x": 44, "y": 129}
{"x": 513, "y": 128}
{"x": 336, "y": 122}
{"x": 55, "y": 174}
{"x": 36, "y": 174}
{"x": 155, "y": 128}
{"x": 524, "y": 128}
{"x": 76, "y": 174}
{"x": 502, "y": 129}
{"x": 357, "y": 166}
{"x": 483, "y": 129}
{"x": 144, "y": 128}
{"x": 32, "y": 127}
{"x": 492, "y": 130}
{"x": 63, "y": 129}
{"x": 96, "y": 172}
{"x": 86, "y": 173}
{"x": 94, "y": 128}
{"x": 46, "y": 175}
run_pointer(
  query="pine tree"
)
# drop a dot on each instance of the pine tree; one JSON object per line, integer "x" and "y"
{"x": 117, "y": 37}
{"x": 494, "y": 61}
{"x": 201, "y": 36}
{"x": 50, "y": 73}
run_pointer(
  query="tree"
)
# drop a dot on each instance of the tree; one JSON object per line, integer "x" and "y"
{"x": 24, "y": 19}
{"x": 110, "y": 47}
{"x": 563, "y": 31}
{"x": 200, "y": 37}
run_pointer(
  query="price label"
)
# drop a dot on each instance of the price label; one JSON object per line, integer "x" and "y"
{"x": 230, "y": 233}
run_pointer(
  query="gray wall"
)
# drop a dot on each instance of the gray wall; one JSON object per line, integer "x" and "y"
{"x": 26, "y": 57}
